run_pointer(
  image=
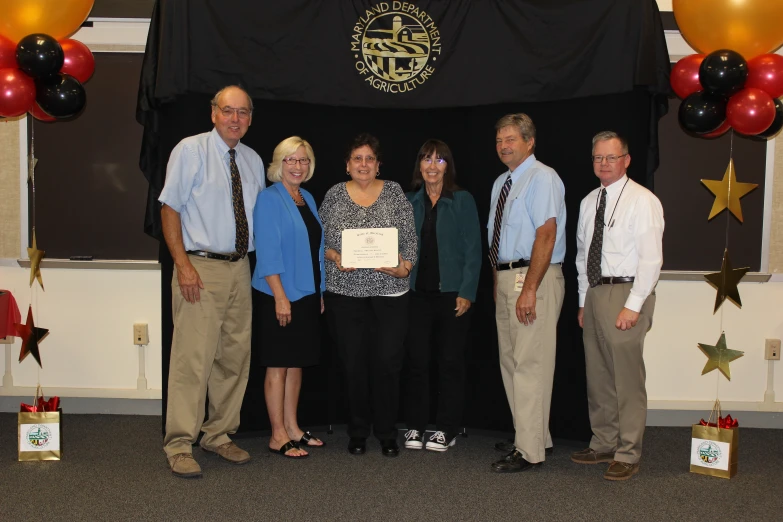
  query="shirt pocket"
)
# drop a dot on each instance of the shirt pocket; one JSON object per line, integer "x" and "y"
{"x": 616, "y": 240}
{"x": 517, "y": 213}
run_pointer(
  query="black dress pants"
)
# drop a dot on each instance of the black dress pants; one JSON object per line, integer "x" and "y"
{"x": 433, "y": 324}
{"x": 370, "y": 336}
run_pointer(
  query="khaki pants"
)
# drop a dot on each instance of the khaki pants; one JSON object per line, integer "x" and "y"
{"x": 616, "y": 393}
{"x": 527, "y": 357}
{"x": 210, "y": 353}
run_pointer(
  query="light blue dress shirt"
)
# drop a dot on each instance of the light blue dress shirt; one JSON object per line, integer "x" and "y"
{"x": 198, "y": 188}
{"x": 536, "y": 195}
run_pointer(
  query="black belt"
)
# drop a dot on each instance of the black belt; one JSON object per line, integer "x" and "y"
{"x": 615, "y": 280}
{"x": 212, "y": 255}
{"x": 513, "y": 264}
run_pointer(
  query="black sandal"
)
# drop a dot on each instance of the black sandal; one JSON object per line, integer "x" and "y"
{"x": 285, "y": 448}
{"x": 307, "y": 437}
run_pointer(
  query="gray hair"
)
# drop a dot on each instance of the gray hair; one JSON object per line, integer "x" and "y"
{"x": 285, "y": 148}
{"x": 214, "y": 102}
{"x": 522, "y": 122}
{"x": 611, "y": 135}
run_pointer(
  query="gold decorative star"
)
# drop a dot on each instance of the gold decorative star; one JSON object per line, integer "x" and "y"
{"x": 35, "y": 256}
{"x": 725, "y": 282}
{"x": 31, "y": 336}
{"x": 728, "y": 192}
{"x": 719, "y": 356}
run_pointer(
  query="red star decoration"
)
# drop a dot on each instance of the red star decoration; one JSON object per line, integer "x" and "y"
{"x": 31, "y": 336}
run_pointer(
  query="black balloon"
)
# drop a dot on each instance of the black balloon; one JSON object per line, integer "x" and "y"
{"x": 777, "y": 123}
{"x": 702, "y": 112}
{"x": 61, "y": 96}
{"x": 723, "y": 72}
{"x": 39, "y": 55}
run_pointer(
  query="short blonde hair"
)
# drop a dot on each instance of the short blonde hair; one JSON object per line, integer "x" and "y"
{"x": 285, "y": 148}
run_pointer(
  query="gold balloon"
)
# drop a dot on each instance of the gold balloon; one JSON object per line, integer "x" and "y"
{"x": 57, "y": 18}
{"x": 749, "y": 27}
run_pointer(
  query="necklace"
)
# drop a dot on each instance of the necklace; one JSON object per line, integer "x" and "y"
{"x": 297, "y": 197}
{"x": 598, "y": 201}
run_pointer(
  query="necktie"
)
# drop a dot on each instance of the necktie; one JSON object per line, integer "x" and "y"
{"x": 240, "y": 218}
{"x": 594, "y": 255}
{"x": 493, "y": 250}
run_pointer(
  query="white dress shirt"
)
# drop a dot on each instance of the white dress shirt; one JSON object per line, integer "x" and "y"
{"x": 633, "y": 236}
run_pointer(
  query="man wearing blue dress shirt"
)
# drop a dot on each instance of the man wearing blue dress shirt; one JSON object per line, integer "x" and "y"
{"x": 212, "y": 182}
{"x": 526, "y": 249}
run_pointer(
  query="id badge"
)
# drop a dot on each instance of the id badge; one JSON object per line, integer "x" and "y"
{"x": 519, "y": 281}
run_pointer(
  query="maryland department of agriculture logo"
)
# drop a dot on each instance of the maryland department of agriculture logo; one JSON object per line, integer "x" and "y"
{"x": 39, "y": 436}
{"x": 709, "y": 453}
{"x": 395, "y": 45}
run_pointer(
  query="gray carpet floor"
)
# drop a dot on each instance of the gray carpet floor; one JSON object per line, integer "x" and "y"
{"x": 113, "y": 468}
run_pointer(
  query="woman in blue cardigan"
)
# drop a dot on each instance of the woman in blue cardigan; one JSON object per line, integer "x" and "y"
{"x": 443, "y": 285}
{"x": 288, "y": 282}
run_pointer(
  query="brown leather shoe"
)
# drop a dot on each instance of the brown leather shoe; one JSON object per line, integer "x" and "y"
{"x": 590, "y": 456}
{"x": 621, "y": 470}
{"x": 184, "y": 465}
{"x": 230, "y": 452}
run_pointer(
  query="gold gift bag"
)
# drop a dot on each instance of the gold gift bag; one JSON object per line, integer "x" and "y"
{"x": 714, "y": 450}
{"x": 39, "y": 434}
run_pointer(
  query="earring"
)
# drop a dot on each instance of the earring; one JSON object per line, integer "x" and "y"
{"x": 378, "y": 173}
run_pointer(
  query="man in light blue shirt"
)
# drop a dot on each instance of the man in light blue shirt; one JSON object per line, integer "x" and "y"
{"x": 212, "y": 182}
{"x": 526, "y": 249}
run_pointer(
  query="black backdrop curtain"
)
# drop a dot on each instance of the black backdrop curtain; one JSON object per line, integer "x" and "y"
{"x": 575, "y": 67}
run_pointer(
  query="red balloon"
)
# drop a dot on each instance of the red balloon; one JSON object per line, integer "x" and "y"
{"x": 750, "y": 111}
{"x": 17, "y": 92}
{"x": 685, "y": 76}
{"x": 7, "y": 53}
{"x": 79, "y": 61}
{"x": 720, "y": 131}
{"x": 765, "y": 72}
{"x": 39, "y": 114}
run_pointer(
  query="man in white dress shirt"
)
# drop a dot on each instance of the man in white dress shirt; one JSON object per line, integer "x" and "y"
{"x": 618, "y": 260}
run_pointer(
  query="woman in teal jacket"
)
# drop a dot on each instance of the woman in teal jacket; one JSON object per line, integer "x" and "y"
{"x": 443, "y": 285}
{"x": 287, "y": 286}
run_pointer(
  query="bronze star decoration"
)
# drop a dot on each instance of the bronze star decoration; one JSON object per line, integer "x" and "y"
{"x": 725, "y": 282}
{"x": 728, "y": 192}
{"x": 31, "y": 336}
{"x": 35, "y": 256}
{"x": 719, "y": 356}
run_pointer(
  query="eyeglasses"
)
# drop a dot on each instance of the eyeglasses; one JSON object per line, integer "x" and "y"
{"x": 293, "y": 161}
{"x": 227, "y": 111}
{"x": 428, "y": 161}
{"x": 612, "y": 158}
{"x": 367, "y": 159}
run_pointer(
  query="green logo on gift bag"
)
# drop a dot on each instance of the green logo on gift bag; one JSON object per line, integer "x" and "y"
{"x": 709, "y": 453}
{"x": 39, "y": 436}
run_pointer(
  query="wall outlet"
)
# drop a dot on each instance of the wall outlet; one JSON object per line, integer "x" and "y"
{"x": 772, "y": 349}
{"x": 141, "y": 336}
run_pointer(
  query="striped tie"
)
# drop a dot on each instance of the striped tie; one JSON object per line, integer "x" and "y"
{"x": 493, "y": 250}
{"x": 240, "y": 218}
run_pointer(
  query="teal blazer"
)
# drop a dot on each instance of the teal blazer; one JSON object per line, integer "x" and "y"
{"x": 282, "y": 244}
{"x": 459, "y": 240}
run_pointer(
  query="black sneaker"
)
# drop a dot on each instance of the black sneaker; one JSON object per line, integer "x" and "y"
{"x": 441, "y": 441}
{"x": 413, "y": 439}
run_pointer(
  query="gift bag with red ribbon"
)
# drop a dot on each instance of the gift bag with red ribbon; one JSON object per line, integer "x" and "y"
{"x": 715, "y": 445}
{"x": 40, "y": 433}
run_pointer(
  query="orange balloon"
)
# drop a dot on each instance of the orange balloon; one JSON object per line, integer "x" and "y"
{"x": 57, "y": 18}
{"x": 749, "y": 27}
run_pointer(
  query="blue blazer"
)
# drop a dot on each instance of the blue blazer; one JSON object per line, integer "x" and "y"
{"x": 282, "y": 244}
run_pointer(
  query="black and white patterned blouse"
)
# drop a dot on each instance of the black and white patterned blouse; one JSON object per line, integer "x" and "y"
{"x": 339, "y": 212}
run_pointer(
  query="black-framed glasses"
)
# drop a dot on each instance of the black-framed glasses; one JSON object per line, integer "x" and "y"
{"x": 293, "y": 161}
{"x": 368, "y": 159}
{"x": 429, "y": 161}
{"x": 612, "y": 158}
{"x": 227, "y": 111}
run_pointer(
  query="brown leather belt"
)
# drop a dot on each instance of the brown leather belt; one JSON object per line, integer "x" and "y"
{"x": 615, "y": 280}
{"x": 211, "y": 255}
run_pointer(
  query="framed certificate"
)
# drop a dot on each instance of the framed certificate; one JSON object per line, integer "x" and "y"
{"x": 369, "y": 248}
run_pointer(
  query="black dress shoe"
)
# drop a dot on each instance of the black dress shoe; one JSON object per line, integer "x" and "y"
{"x": 389, "y": 448}
{"x": 357, "y": 446}
{"x": 507, "y": 446}
{"x": 512, "y": 463}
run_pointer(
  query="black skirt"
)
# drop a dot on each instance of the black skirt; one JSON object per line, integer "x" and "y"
{"x": 295, "y": 345}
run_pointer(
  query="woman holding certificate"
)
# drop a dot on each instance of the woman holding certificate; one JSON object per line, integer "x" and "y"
{"x": 443, "y": 286}
{"x": 361, "y": 219}
{"x": 288, "y": 282}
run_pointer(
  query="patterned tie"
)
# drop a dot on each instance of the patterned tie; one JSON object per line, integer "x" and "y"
{"x": 493, "y": 250}
{"x": 594, "y": 255}
{"x": 240, "y": 218}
